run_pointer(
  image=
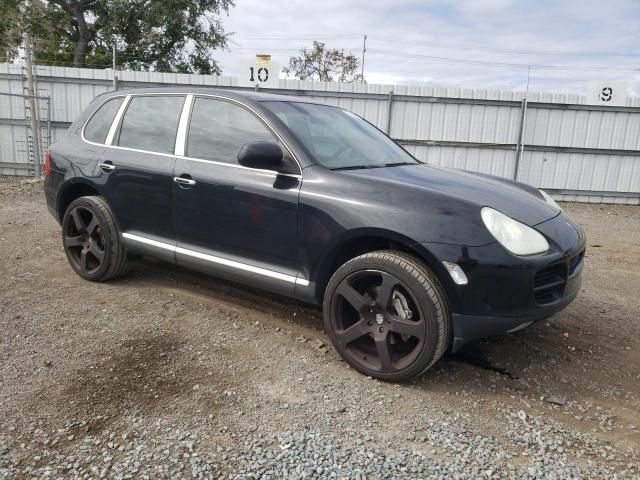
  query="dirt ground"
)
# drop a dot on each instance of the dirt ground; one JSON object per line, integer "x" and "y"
{"x": 174, "y": 350}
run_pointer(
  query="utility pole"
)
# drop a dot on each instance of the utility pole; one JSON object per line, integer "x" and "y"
{"x": 33, "y": 110}
{"x": 115, "y": 79}
{"x": 364, "y": 49}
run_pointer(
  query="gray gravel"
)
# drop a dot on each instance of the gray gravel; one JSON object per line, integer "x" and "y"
{"x": 170, "y": 374}
{"x": 441, "y": 449}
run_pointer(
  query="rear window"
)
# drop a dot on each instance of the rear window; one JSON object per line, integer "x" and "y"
{"x": 98, "y": 125}
{"x": 151, "y": 123}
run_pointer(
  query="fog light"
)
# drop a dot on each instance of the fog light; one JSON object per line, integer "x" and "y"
{"x": 456, "y": 273}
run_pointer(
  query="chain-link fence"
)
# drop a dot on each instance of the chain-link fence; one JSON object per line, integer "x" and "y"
{"x": 25, "y": 133}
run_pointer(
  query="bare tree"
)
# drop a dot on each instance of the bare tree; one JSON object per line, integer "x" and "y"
{"x": 326, "y": 65}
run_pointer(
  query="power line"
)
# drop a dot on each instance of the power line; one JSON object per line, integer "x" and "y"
{"x": 55, "y": 63}
{"x": 453, "y": 46}
{"x": 254, "y": 49}
{"x": 468, "y": 61}
{"x": 406, "y": 56}
{"x": 505, "y": 50}
{"x": 306, "y": 36}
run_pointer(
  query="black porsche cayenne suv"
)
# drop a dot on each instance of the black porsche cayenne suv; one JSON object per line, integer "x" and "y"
{"x": 312, "y": 202}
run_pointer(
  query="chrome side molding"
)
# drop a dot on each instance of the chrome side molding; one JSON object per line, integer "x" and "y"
{"x": 218, "y": 260}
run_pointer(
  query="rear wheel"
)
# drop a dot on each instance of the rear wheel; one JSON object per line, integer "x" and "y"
{"x": 91, "y": 240}
{"x": 387, "y": 315}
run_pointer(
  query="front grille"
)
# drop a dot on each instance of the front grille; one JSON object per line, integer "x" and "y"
{"x": 549, "y": 282}
{"x": 574, "y": 262}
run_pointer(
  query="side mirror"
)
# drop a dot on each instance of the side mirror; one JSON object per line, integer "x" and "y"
{"x": 264, "y": 155}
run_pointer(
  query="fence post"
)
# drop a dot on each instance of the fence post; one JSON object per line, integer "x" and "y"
{"x": 35, "y": 128}
{"x": 520, "y": 144}
{"x": 389, "y": 105}
{"x": 115, "y": 78}
{"x": 49, "y": 139}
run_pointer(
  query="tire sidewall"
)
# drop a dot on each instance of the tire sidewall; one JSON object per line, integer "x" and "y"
{"x": 110, "y": 243}
{"x": 425, "y": 304}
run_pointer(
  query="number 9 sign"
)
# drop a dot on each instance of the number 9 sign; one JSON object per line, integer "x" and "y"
{"x": 608, "y": 93}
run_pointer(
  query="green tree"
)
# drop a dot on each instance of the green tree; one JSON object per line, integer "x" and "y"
{"x": 324, "y": 64}
{"x": 163, "y": 35}
{"x": 8, "y": 22}
{"x": 10, "y": 31}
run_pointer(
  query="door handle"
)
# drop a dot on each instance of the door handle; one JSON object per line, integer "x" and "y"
{"x": 107, "y": 166}
{"x": 184, "y": 181}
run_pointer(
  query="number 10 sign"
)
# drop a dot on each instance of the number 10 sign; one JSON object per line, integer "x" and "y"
{"x": 260, "y": 71}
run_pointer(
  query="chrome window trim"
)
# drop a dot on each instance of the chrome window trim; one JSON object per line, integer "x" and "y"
{"x": 93, "y": 115}
{"x": 264, "y": 120}
{"x": 118, "y": 117}
{"x": 218, "y": 260}
{"x": 241, "y": 167}
{"x": 181, "y": 137}
{"x": 116, "y": 120}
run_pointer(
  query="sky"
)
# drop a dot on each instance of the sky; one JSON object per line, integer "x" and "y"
{"x": 460, "y": 43}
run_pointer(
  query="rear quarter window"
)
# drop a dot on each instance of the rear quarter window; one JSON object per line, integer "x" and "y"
{"x": 97, "y": 128}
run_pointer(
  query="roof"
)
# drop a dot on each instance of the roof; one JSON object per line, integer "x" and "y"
{"x": 243, "y": 95}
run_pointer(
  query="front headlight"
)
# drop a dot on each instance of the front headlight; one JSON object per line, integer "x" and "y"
{"x": 549, "y": 200}
{"x": 516, "y": 237}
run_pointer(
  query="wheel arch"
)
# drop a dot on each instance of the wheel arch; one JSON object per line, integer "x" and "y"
{"x": 71, "y": 191}
{"x": 359, "y": 242}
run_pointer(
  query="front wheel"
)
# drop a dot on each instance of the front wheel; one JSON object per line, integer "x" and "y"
{"x": 387, "y": 315}
{"x": 91, "y": 240}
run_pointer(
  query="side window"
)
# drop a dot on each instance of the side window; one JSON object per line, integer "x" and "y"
{"x": 218, "y": 130}
{"x": 97, "y": 127}
{"x": 151, "y": 122}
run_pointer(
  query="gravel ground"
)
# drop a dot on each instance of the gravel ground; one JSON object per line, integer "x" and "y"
{"x": 171, "y": 374}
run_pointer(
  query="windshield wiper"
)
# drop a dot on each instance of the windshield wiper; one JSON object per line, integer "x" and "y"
{"x": 398, "y": 164}
{"x": 358, "y": 167}
{"x": 379, "y": 165}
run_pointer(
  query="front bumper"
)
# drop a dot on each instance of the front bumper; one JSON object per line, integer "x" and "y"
{"x": 506, "y": 292}
{"x": 471, "y": 327}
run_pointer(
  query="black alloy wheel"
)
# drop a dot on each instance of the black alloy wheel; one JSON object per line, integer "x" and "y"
{"x": 387, "y": 315}
{"x": 84, "y": 241}
{"x": 91, "y": 240}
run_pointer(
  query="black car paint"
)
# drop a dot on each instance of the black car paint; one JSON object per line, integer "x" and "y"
{"x": 247, "y": 215}
{"x": 296, "y": 225}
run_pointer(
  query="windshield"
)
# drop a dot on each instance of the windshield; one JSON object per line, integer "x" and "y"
{"x": 338, "y": 139}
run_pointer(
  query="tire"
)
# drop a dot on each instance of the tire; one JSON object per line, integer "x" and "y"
{"x": 387, "y": 315}
{"x": 91, "y": 240}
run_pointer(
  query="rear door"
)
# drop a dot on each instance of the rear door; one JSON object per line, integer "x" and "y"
{"x": 232, "y": 220}
{"x": 137, "y": 171}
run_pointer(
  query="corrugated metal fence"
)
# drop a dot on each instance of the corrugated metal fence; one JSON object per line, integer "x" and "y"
{"x": 576, "y": 151}
{"x": 19, "y": 148}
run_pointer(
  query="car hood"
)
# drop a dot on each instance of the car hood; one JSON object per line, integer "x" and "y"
{"x": 519, "y": 201}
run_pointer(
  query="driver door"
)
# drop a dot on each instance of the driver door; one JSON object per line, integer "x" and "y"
{"x": 232, "y": 220}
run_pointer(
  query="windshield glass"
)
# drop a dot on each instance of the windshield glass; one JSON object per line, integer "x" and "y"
{"x": 339, "y": 139}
